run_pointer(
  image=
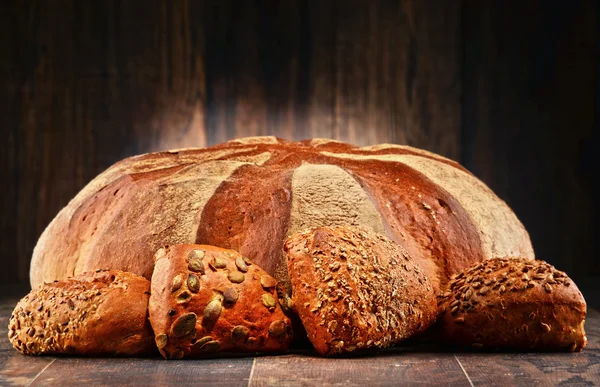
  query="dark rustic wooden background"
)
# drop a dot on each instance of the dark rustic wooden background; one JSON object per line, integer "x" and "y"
{"x": 510, "y": 89}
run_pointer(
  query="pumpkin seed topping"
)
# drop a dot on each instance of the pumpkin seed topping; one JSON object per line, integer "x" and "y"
{"x": 161, "y": 340}
{"x": 211, "y": 346}
{"x": 193, "y": 283}
{"x": 218, "y": 263}
{"x": 212, "y": 312}
{"x": 277, "y": 328}
{"x": 176, "y": 285}
{"x": 268, "y": 301}
{"x": 196, "y": 254}
{"x": 196, "y": 265}
{"x": 184, "y": 324}
{"x": 239, "y": 333}
{"x": 230, "y": 295}
{"x": 236, "y": 277}
{"x": 267, "y": 281}
{"x": 241, "y": 265}
{"x": 202, "y": 341}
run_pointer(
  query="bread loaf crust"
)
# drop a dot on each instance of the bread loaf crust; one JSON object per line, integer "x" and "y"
{"x": 250, "y": 194}
{"x": 99, "y": 313}
{"x": 206, "y": 299}
{"x": 514, "y": 303}
{"x": 356, "y": 290}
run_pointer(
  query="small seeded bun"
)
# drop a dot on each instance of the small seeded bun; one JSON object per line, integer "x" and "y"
{"x": 355, "y": 290}
{"x": 100, "y": 313}
{"x": 206, "y": 299}
{"x": 514, "y": 303}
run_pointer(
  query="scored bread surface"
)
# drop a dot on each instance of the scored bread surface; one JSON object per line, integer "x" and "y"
{"x": 250, "y": 194}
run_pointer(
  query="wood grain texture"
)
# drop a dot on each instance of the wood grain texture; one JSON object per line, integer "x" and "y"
{"x": 530, "y": 79}
{"x": 503, "y": 369}
{"x": 146, "y": 372}
{"x": 411, "y": 364}
{"x": 507, "y": 88}
{"x": 388, "y": 368}
{"x": 397, "y": 65}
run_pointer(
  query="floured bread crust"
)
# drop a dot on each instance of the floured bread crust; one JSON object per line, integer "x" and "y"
{"x": 327, "y": 195}
{"x": 250, "y": 194}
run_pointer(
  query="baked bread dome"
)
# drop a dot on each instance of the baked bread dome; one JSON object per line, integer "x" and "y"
{"x": 250, "y": 194}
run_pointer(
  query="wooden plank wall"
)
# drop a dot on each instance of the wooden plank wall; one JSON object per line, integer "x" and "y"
{"x": 530, "y": 121}
{"x": 507, "y": 88}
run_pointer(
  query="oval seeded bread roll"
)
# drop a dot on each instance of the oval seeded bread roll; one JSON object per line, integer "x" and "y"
{"x": 206, "y": 299}
{"x": 100, "y": 313}
{"x": 514, "y": 303}
{"x": 354, "y": 289}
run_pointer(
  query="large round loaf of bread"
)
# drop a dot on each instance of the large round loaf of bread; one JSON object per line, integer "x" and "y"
{"x": 250, "y": 194}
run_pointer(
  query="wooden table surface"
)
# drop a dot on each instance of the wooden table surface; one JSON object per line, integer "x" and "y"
{"x": 406, "y": 365}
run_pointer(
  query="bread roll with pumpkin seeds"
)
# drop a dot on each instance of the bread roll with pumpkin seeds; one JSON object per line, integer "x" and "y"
{"x": 354, "y": 289}
{"x": 513, "y": 303}
{"x": 100, "y": 313}
{"x": 206, "y": 299}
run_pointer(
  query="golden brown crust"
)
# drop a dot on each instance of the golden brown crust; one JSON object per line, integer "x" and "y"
{"x": 100, "y": 313}
{"x": 250, "y": 194}
{"x": 206, "y": 299}
{"x": 354, "y": 289}
{"x": 514, "y": 303}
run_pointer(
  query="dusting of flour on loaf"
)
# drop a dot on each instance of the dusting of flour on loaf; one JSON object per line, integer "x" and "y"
{"x": 500, "y": 231}
{"x": 210, "y": 154}
{"x": 145, "y": 201}
{"x": 148, "y": 162}
{"x": 256, "y": 140}
{"x": 165, "y": 211}
{"x": 378, "y": 147}
{"x": 315, "y": 142}
{"x": 326, "y": 195}
{"x": 258, "y": 159}
{"x": 387, "y": 157}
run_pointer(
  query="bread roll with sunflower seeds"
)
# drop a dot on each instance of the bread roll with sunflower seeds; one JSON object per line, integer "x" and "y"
{"x": 514, "y": 303}
{"x": 206, "y": 299}
{"x": 354, "y": 289}
{"x": 92, "y": 314}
